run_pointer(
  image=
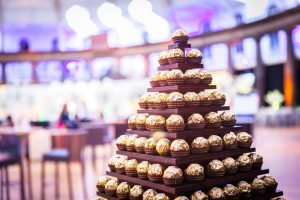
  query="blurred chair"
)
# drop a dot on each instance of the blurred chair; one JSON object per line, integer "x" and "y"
{"x": 10, "y": 145}
{"x": 97, "y": 135}
{"x": 7, "y": 159}
{"x": 68, "y": 148}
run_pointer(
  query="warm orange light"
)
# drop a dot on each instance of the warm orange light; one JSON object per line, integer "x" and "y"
{"x": 288, "y": 86}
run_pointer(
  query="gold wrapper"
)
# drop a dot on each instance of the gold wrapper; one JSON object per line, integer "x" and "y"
{"x": 231, "y": 191}
{"x": 270, "y": 181}
{"x": 205, "y": 95}
{"x": 194, "y": 53}
{"x": 155, "y": 120}
{"x": 163, "y": 146}
{"x": 101, "y": 182}
{"x": 181, "y": 198}
{"x": 192, "y": 73}
{"x": 150, "y": 143}
{"x": 140, "y": 142}
{"x": 200, "y": 143}
{"x": 179, "y": 145}
{"x": 155, "y": 77}
{"x": 149, "y": 194}
{"x": 212, "y": 117}
{"x": 227, "y": 116}
{"x": 199, "y": 195}
{"x": 191, "y": 96}
{"x": 163, "y": 55}
{"x": 256, "y": 158}
{"x": 173, "y": 172}
{"x": 132, "y": 119}
{"x": 155, "y": 169}
{"x": 141, "y": 119}
{"x": 131, "y": 164}
{"x": 113, "y": 159}
{"x": 120, "y": 163}
{"x": 131, "y": 140}
{"x": 258, "y": 184}
{"x": 175, "y": 96}
{"x": 175, "y": 53}
{"x": 122, "y": 139}
{"x": 230, "y": 139}
{"x": 217, "y": 95}
{"x": 123, "y": 188}
{"x": 215, "y": 141}
{"x": 175, "y": 120}
{"x": 194, "y": 169}
{"x": 196, "y": 118}
{"x": 112, "y": 184}
{"x": 161, "y": 196}
{"x": 160, "y": 97}
{"x": 216, "y": 193}
{"x": 179, "y": 32}
{"x": 142, "y": 167}
{"x": 203, "y": 74}
{"x": 244, "y": 187}
{"x": 215, "y": 166}
{"x": 244, "y": 137}
{"x": 163, "y": 75}
{"x": 244, "y": 160}
{"x": 175, "y": 73}
{"x": 229, "y": 163}
{"x": 136, "y": 191}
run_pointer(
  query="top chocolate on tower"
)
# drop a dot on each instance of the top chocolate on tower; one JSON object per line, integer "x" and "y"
{"x": 180, "y": 36}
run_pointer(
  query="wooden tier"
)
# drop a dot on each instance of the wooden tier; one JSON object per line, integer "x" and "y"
{"x": 182, "y": 66}
{"x": 179, "y": 45}
{"x": 194, "y": 158}
{"x": 184, "y": 111}
{"x": 267, "y": 196}
{"x": 189, "y": 133}
{"x": 182, "y": 88}
{"x": 187, "y": 187}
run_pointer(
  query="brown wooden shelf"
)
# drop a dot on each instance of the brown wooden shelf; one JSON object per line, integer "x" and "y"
{"x": 190, "y": 133}
{"x": 193, "y": 158}
{"x": 182, "y": 88}
{"x": 187, "y": 187}
{"x": 182, "y": 66}
{"x": 266, "y": 196}
{"x": 184, "y": 111}
{"x": 179, "y": 45}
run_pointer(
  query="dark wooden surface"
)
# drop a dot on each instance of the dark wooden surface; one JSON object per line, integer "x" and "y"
{"x": 184, "y": 111}
{"x": 187, "y": 187}
{"x": 189, "y": 133}
{"x": 182, "y": 88}
{"x": 193, "y": 158}
{"x": 182, "y": 66}
{"x": 267, "y": 196}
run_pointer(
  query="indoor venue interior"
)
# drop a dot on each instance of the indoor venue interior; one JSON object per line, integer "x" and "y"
{"x": 92, "y": 92}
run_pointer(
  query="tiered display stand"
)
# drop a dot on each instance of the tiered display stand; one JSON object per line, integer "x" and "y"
{"x": 187, "y": 187}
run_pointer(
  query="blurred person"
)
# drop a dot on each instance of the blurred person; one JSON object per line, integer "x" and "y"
{"x": 24, "y": 45}
{"x": 64, "y": 117}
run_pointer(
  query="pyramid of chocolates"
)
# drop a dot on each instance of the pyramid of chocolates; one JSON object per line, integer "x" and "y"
{"x": 183, "y": 142}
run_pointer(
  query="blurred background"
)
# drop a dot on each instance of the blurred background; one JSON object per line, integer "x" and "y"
{"x": 74, "y": 68}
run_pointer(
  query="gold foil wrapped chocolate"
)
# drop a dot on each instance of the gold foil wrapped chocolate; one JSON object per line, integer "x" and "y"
{"x": 231, "y": 191}
{"x": 122, "y": 140}
{"x": 175, "y": 120}
{"x": 244, "y": 187}
{"x": 244, "y": 137}
{"x": 179, "y": 32}
{"x": 181, "y": 198}
{"x": 131, "y": 140}
{"x": 142, "y": 167}
{"x": 149, "y": 194}
{"x": 227, "y": 116}
{"x": 141, "y": 119}
{"x": 196, "y": 118}
{"x": 136, "y": 191}
{"x": 212, "y": 117}
{"x": 199, "y": 195}
{"x": 191, "y": 96}
{"x": 192, "y": 73}
{"x": 123, "y": 188}
{"x": 205, "y": 95}
{"x": 150, "y": 143}
{"x": 215, "y": 141}
{"x": 163, "y": 55}
{"x": 175, "y": 53}
{"x": 163, "y": 75}
{"x": 155, "y": 77}
{"x": 155, "y": 120}
{"x": 200, "y": 143}
{"x": 194, "y": 169}
{"x": 194, "y": 53}
{"x": 131, "y": 164}
{"x": 102, "y": 181}
{"x": 230, "y": 139}
{"x": 173, "y": 172}
{"x": 244, "y": 161}
{"x": 179, "y": 145}
{"x": 163, "y": 146}
{"x": 175, "y": 96}
{"x": 256, "y": 158}
{"x": 132, "y": 119}
{"x": 161, "y": 196}
{"x": 120, "y": 163}
{"x": 216, "y": 193}
{"x": 175, "y": 73}
{"x": 155, "y": 169}
{"x": 204, "y": 74}
{"x": 215, "y": 166}
{"x": 230, "y": 164}
{"x": 270, "y": 182}
{"x": 217, "y": 95}
{"x": 160, "y": 97}
{"x": 112, "y": 184}
{"x": 140, "y": 142}
{"x": 258, "y": 184}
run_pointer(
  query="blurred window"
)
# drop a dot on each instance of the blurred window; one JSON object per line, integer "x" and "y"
{"x": 132, "y": 66}
{"x": 102, "y": 67}
{"x": 218, "y": 59}
{"x": 245, "y": 59}
{"x": 18, "y": 72}
{"x": 49, "y": 71}
{"x": 76, "y": 70}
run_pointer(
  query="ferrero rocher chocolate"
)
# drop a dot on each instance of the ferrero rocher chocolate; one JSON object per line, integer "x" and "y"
{"x": 163, "y": 75}
{"x": 196, "y": 121}
{"x": 150, "y": 146}
{"x": 179, "y": 145}
{"x": 175, "y": 53}
{"x": 173, "y": 172}
{"x": 199, "y": 195}
{"x": 193, "y": 53}
{"x": 142, "y": 167}
{"x": 227, "y": 116}
{"x": 212, "y": 120}
{"x": 192, "y": 73}
{"x": 257, "y": 160}
{"x": 122, "y": 140}
{"x": 175, "y": 74}
{"x": 112, "y": 184}
{"x": 131, "y": 121}
{"x": 191, "y": 96}
{"x": 258, "y": 186}
{"x": 155, "y": 77}
{"x": 244, "y": 140}
{"x": 101, "y": 182}
{"x": 120, "y": 164}
{"x": 163, "y": 55}
{"x": 155, "y": 169}
{"x": 181, "y": 198}
{"x": 149, "y": 194}
{"x": 194, "y": 169}
{"x": 163, "y": 147}
{"x": 175, "y": 123}
{"x": 216, "y": 194}
{"x": 205, "y": 76}
{"x": 131, "y": 164}
{"x": 139, "y": 144}
{"x": 217, "y": 95}
{"x": 230, "y": 165}
{"x": 112, "y": 161}
{"x": 205, "y": 96}
{"x": 200, "y": 145}
{"x": 179, "y": 33}
{"x": 123, "y": 188}
{"x": 131, "y": 142}
{"x": 245, "y": 163}
{"x": 160, "y": 97}
{"x": 155, "y": 122}
{"x": 136, "y": 191}
{"x": 230, "y": 141}
{"x": 270, "y": 182}
{"x": 161, "y": 196}
{"x": 140, "y": 121}
{"x": 231, "y": 192}
{"x": 215, "y": 143}
{"x": 215, "y": 168}
{"x": 175, "y": 96}
{"x": 244, "y": 189}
